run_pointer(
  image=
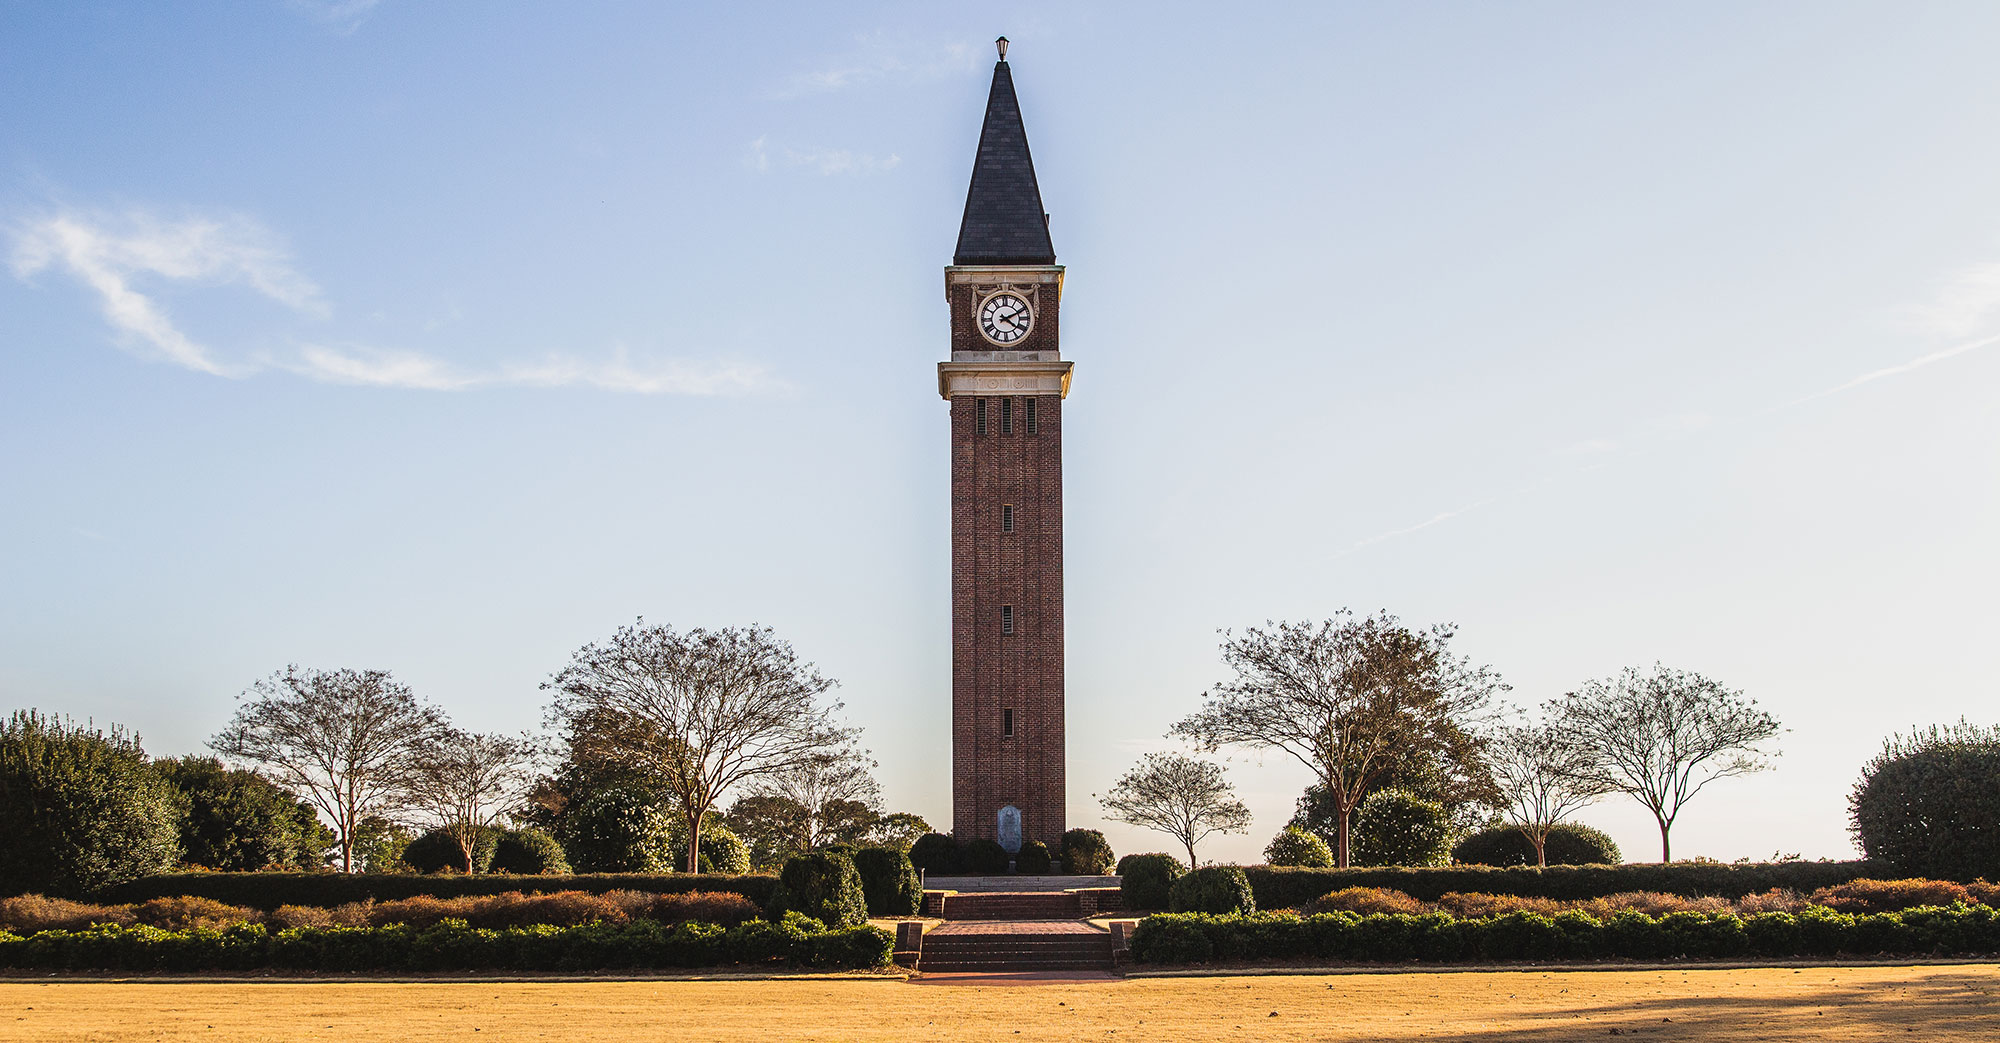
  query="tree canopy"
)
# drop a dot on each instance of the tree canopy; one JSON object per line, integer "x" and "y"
{"x": 1349, "y": 697}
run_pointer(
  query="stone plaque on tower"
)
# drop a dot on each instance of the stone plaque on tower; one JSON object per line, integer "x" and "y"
{"x": 1006, "y": 382}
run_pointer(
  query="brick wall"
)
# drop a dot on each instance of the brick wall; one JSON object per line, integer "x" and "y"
{"x": 993, "y": 671}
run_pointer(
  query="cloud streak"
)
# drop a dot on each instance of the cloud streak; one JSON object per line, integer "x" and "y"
{"x": 881, "y": 56}
{"x": 114, "y": 255}
{"x": 825, "y": 162}
{"x": 370, "y": 367}
{"x": 110, "y": 254}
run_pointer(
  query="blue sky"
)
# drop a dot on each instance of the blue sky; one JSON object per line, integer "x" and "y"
{"x": 445, "y": 338}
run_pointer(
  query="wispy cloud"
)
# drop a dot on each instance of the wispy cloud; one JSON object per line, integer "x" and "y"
{"x": 110, "y": 254}
{"x": 1964, "y": 304}
{"x": 372, "y": 367}
{"x": 883, "y": 56}
{"x": 1896, "y": 370}
{"x": 113, "y": 254}
{"x": 1435, "y": 519}
{"x": 342, "y": 16}
{"x": 827, "y": 162}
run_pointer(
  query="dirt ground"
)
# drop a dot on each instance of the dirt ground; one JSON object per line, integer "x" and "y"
{"x": 1848, "y": 1003}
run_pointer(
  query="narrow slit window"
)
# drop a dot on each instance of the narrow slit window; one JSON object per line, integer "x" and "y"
{"x": 1006, "y": 619}
{"x": 1006, "y": 416}
{"x": 979, "y": 415}
{"x": 1007, "y": 722}
{"x": 1006, "y": 517}
{"x": 1031, "y": 416}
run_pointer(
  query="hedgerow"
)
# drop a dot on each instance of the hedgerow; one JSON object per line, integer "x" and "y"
{"x": 1441, "y": 938}
{"x": 452, "y": 945}
{"x": 1281, "y": 887}
{"x": 31, "y": 913}
{"x": 328, "y": 890}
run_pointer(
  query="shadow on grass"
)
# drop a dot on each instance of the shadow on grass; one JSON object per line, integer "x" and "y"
{"x": 1941, "y": 1006}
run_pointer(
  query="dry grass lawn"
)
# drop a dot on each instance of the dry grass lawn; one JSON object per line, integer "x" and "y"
{"x": 1851, "y": 1003}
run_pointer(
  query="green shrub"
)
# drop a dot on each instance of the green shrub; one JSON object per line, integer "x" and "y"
{"x": 1929, "y": 803}
{"x": 1288, "y": 888}
{"x": 1296, "y": 847}
{"x": 937, "y": 854}
{"x": 1126, "y": 861}
{"x": 437, "y": 851}
{"x": 331, "y": 890}
{"x": 1085, "y": 852}
{"x": 1146, "y": 881}
{"x": 1178, "y": 939}
{"x": 1397, "y": 828}
{"x": 1519, "y": 935}
{"x": 1569, "y": 844}
{"x": 823, "y": 886}
{"x": 80, "y": 808}
{"x": 451, "y": 945}
{"x": 722, "y": 851}
{"x": 986, "y": 857}
{"x": 528, "y": 852}
{"x": 620, "y": 829}
{"x": 238, "y": 821}
{"x": 889, "y": 883}
{"x": 1033, "y": 858}
{"x": 1212, "y": 889}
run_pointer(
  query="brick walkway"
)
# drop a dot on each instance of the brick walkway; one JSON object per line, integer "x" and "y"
{"x": 1036, "y": 927}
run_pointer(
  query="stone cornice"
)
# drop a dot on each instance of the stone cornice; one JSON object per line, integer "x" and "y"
{"x": 994, "y": 274}
{"x": 1003, "y": 378}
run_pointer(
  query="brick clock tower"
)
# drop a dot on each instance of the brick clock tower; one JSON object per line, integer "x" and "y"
{"x": 1006, "y": 382}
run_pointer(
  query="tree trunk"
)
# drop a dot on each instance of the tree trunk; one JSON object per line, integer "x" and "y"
{"x": 1666, "y": 849}
{"x": 347, "y": 851}
{"x": 1191, "y": 862}
{"x": 1346, "y": 837}
{"x": 694, "y": 843}
{"x": 466, "y": 845}
{"x": 1541, "y": 849}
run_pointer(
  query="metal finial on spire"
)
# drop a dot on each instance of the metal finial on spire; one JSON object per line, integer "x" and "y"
{"x": 1001, "y": 43}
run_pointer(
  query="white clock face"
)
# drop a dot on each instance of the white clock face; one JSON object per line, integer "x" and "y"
{"x": 1004, "y": 318}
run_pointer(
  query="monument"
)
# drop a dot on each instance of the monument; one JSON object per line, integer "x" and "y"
{"x": 1006, "y": 382}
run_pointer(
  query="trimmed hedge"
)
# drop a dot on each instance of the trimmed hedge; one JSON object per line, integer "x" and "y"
{"x": 1085, "y": 852}
{"x": 1212, "y": 889}
{"x": 1146, "y": 881}
{"x": 823, "y": 885}
{"x": 1033, "y": 859}
{"x": 889, "y": 882}
{"x": 1568, "y": 844}
{"x": 452, "y": 946}
{"x": 1440, "y": 938}
{"x": 1281, "y": 887}
{"x": 268, "y": 891}
{"x": 936, "y": 854}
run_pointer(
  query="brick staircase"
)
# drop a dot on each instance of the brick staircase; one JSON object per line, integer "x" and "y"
{"x": 1012, "y": 905}
{"x": 1015, "y": 946}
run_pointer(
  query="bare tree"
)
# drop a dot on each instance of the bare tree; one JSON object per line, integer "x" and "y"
{"x": 1662, "y": 738}
{"x": 703, "y": 711}
{"x": 341, "y": 739}
{"x": 834, "y": 789}
{"x": 1347, "y": 697}
{"x": 462, "y": 782}
{"x": 1544, "y": 777}
{"x": 1180, "y": 796}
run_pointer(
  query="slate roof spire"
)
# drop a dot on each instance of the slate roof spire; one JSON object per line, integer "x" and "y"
{"x": 1004, "y": 222}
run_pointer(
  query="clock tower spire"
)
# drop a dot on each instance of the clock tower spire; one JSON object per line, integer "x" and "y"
{"x": 1006, "y": 382}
